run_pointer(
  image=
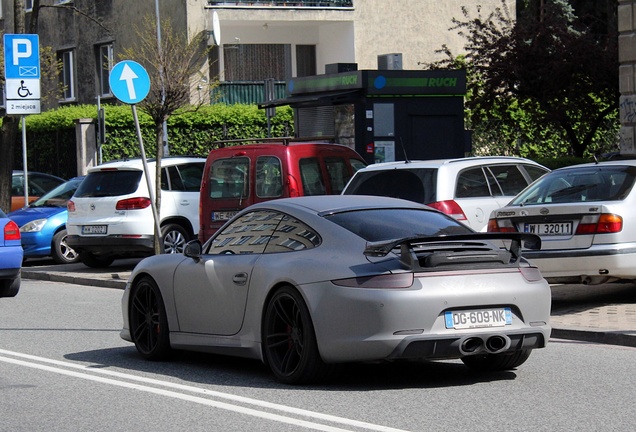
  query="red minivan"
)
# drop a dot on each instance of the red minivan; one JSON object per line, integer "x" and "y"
{"x": 238, "y": 176}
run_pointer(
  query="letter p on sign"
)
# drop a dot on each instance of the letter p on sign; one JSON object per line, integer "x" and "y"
{"x": 21, "y": 49}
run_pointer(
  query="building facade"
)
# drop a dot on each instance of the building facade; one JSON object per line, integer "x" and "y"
{"x": 251, "y": 41}
{"x": 627, "y": 74}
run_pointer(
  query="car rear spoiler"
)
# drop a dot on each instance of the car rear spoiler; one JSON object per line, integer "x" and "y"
{"x": 382, "y": 248}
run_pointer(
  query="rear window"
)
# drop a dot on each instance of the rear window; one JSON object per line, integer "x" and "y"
{"x": 229, "y": 178}
{"x": 109, "y": 183}
{"x": 371, "y": 224}
{"x": 598, "y": 183}
{"x": 418, "y": 185}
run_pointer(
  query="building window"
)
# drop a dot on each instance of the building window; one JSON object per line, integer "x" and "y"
{"x": 305, "y": 60}
{"x": 257, "y": 62}
{"x": 104, "y": 66}
{"x": 67, "y": 76}
{"x": 28, "y": 5}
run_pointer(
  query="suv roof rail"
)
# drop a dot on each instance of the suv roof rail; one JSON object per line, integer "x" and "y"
{"x": 276, "y": 140}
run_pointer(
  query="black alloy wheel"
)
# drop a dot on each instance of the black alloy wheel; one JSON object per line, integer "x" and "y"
{"x": 289, "y": 340}
{"x": 148, "y": 320}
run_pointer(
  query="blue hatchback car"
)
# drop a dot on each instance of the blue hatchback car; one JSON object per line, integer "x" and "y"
{"x": 43, "y": 224}
{"x": 10, "y": 257}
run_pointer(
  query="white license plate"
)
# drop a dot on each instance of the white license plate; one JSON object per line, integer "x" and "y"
{"x": 223, "y": 215}
{"x": 94, "y": 229}
{"x": 549, "y": 229}
{"x": 468, "y": 319}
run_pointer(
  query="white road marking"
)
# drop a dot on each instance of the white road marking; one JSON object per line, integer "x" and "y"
{"x": 89, "y": 374}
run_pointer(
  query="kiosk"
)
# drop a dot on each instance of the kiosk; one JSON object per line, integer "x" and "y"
{"x": 385, "y": 115}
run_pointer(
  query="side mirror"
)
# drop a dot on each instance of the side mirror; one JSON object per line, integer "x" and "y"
{"x": 193, "y": 249}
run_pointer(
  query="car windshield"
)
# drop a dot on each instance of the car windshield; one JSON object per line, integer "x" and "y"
{"x": 109, "y": 183}
{"x": 388, "y": 224}
{"x": 591, "y": 183}
{"x": 59, "y": 196}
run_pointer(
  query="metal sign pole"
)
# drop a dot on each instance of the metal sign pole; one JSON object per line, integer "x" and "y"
{"x": 145, "y": 163}
{"x": 24, "y": 162}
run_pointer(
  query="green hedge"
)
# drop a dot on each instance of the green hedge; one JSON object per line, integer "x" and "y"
{"x": 51, "y": 135}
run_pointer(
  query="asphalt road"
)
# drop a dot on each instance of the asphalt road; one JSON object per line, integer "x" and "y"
{"x": 63, "y": 367}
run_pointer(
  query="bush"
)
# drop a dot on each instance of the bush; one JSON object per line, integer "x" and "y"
{"x": 51, "y": 141}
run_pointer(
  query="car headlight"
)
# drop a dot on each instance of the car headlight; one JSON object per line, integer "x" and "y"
{"x": 33, "y": 226}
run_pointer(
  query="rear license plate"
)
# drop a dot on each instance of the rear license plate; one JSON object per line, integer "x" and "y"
{"x": 94, "y": 229}
{"x": 549, "y": 229}
{"x": 468, "y": 319}
{"x": 223, "y": 215}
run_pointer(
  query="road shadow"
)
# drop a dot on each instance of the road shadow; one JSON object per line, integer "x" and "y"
{"x": 218, "y": 370}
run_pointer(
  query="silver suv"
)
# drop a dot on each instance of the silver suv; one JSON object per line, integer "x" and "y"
{"x": 110, "y": 214}
{"x": 467, "y": 189}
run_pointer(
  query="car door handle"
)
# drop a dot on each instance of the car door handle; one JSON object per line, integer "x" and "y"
{"x": 185, "y": 203}
{"x": 240, "y": 278}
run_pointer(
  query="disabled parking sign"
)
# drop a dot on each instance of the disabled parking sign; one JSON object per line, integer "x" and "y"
{"x": 22, "y": 73}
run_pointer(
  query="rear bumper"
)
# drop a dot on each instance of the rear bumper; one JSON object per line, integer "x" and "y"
{"x": 11, "y": 259}
{"x": 612, "y": 261}
{"x": 115, "y": 245}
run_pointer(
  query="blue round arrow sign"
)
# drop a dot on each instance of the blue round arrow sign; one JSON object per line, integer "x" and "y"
{"x": 129, "y": 82}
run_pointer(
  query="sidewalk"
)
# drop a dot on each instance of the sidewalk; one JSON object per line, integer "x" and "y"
{"x": 598, "y": 313}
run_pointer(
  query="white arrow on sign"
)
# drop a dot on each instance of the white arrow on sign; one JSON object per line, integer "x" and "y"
{"x": 128, "y": 75}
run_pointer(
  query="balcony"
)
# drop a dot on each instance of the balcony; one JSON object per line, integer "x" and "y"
{"x": 285, "y": 4}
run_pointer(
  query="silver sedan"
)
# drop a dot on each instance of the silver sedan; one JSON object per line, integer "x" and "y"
{"x": 585, "y": 217}
{"x": 305, "y": 284}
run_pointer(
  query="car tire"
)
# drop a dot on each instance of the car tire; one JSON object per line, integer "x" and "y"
{"x": 148, "y": 321}
{"x": 497, "y": 362}
{"x": 61, "y": 252}
{"x": 10, "y": 287}
{"x": 174, "y": 238}
{"x": 289, "y": 341}
{"x": 94, "y": 261}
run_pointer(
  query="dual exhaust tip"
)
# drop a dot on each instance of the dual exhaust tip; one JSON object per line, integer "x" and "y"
{"x": 488, "y": 344}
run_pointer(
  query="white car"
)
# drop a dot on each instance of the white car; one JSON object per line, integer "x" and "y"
{"x": 110, "y": 215}
{"x": 467, "y": 189}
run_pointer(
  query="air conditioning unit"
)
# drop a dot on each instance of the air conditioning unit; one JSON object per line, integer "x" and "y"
{"x": 390, "y": 61}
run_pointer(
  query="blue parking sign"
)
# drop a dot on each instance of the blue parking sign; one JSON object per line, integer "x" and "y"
{"x": 21, "y": 56}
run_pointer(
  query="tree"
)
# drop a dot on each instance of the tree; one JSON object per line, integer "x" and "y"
{"x": 550, "y": 65}
{"x": 174, "y": 66}
{"x": 50, "y": 68}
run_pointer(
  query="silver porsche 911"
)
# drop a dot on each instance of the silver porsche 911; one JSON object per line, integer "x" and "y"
{"x": 305, "y": 284}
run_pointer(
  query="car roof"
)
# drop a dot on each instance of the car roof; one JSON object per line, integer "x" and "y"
{"x": 137, "y": 163}
{"x": 613, "y": 162}
{"x": 459, "y": 163}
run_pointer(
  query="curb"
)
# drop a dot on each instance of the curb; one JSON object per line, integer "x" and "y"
{"x": 607, "y": 337}
{"x": 114, "y": 282}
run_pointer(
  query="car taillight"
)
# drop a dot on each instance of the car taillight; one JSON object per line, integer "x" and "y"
{"x": 531, "y": 274}
{"x": 133, "y": 204}
{"x": 11, "y": 231}
{"x": 449, "y": 207}
{"x": 400, "y": 280}
{"x": 600, "y": 224}
{"x": 70, "y": 206}
{"x": 501, "y": 225}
